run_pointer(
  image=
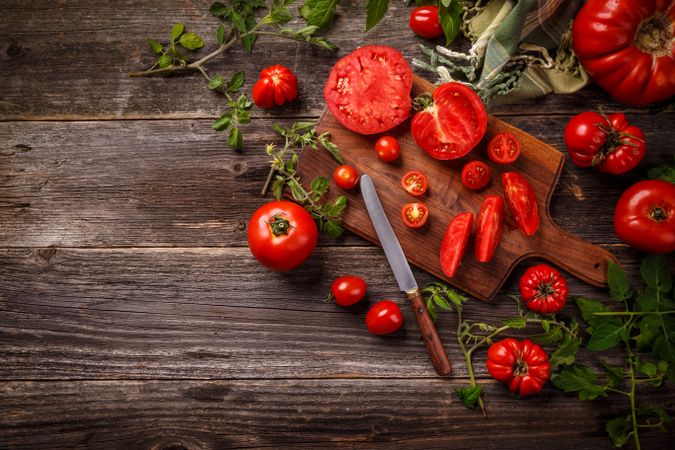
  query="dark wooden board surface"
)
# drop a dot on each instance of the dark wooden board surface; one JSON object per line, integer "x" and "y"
{"x": 133, "y": 316}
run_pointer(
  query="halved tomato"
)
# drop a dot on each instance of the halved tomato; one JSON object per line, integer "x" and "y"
{"x": 504, "y": 148}
{"x": 454, "y": 242}
{"x": 522, "y": 202}
{"x": 415, "y": 182}
{"x": 452, "y": 123}
{"x": 368, "y": 91}
{"x": 414, "y": 215}
{"x": 475, "y": 175}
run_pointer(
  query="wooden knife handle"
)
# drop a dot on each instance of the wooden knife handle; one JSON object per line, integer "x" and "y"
{"x": 434, "y": 345}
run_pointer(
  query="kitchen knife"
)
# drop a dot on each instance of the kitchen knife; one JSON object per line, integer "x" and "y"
{"x": 404, "y": 276}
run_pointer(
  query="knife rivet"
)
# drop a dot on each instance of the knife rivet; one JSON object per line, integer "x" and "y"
{"x": 420, "y": 310}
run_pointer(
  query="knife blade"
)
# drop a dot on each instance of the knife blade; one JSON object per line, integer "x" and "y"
{"x": 404, "y": 276}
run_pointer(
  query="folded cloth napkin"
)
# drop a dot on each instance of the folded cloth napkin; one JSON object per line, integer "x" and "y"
{"x": 510, "y": 57}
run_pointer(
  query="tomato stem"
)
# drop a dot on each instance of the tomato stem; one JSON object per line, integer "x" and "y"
{"x": 279, "y": 225}
{"x": 654, "y": 36}
{"x": 658, "y": 214}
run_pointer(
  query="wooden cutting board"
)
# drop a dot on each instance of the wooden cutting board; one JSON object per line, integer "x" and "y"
{"x": 446, "y": 197}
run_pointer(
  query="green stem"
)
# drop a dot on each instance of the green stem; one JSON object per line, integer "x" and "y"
{"x": 488, "y": 337}
{"x": 467, "y": 357}
{"x": 633, "y": 384}
{"x": 632, "y": 313}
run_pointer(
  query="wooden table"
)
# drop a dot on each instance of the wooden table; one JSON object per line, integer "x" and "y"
{"x": 131, "y": 312}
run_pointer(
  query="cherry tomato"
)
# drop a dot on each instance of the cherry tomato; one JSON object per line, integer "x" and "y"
{"x": 424, "y": 22}
{"x": 415, "y": 183}
{"x": 384, "y": 317}
{"x": 276, "y": 86}
{"x": 475, "y": 175}
{"x": 452, "y": 123}
{"x": 387, "y": 148}
{"x": 543, "y": 289}
{"x": 282, "y": 235}
{"x": 522, "y": 202}
{"x": 522, "y": 366}
{"x": 348, "y": 290}
{"x": 644, "y": 217}
{"x": 504, "y": 148}
{"x": 346, "y": 176}
{"x": 489, "y": 227}
{"x": 414, "y": 215}
{"x": 454, "y": 242}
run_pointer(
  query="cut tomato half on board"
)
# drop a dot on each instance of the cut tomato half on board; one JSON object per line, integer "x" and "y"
{"x": 368, "y": 91}
{"x": 414, "y": 215}
{"x": 452, "y": 123}
{"x": 503, "y": 148}
{"x": 415, "y": 182}
{"x": 454, "y": 242}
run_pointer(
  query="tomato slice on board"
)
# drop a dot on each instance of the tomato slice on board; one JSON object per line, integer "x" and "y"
{"x": 414, "y": 215}
{"x": 415, "y": 183}
{"x": 522, "y": 202}
{"x": 504, "y": 148}
{"x": 454, "y": 242}
{"x": 452, "y": 124}
{"x": 489, "y": 227}
{"x": 368, "y": 91}
{"x": 475, "y": 175}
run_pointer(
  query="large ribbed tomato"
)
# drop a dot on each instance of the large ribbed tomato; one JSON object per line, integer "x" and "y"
{"x": 627, "y": 47}
{"x": 522, "y": 366}
{"x": 276, "y": 86}
{"x": 543, "y": 289}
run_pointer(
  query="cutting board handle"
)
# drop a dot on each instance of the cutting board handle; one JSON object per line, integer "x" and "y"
{"x": 582, "y": 259}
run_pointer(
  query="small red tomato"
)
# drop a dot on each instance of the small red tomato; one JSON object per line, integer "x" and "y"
{"x": 475, "y": 175}
{"x": 522, "y": 366}
{"x": 387, "y": 148}
{"x": 346, "y": 176}
{"x": 415, "y": 183}
{"x": 424, "y": 22}
{"x": 414, "y": 215}
{"x": 384, "y": 317}
{"x": 543, "y": 289}
{"x": 348, "y": 290}
{"x": 503, "y": 148}
{"x": 276, "y": 86}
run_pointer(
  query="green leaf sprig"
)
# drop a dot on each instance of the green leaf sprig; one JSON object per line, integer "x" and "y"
{"x": 328, "y": 214}
{"x": 645, "y": 328}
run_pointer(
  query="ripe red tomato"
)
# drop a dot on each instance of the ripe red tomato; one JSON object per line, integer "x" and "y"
{"x": 387, "y": 148}
{"x": 415, "y": 182}
{"x": 626, "y": 46}
{"x": 454, "y": 242}
{"x": 345, "y": 176}
{"x": 609, "y": 143}
{"x": 348, "y": 290}
{"x": 645, "y": 216}
{"x": 414, "y": 215}
{"x": 522, "y": 366}
{"x": 452, "y": 123}
{"x": 489, "y": 227}
{"x": 475, "y": 175}
{"x": 522, "y": 202}
{"x": 276, "y": 86}
{"x": 384, "y": 317}
{"x": 543, "y": 289}
{"x": 282, "y": 235}
{"x": 424, "y": 22}
{"x": 368, "y": 91}
{"x": 504, "y": 148}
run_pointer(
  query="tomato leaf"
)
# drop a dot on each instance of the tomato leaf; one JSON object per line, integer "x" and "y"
{"x": 319, "y": 186}
{"x": 319, "y": 13}
{"x": 431, "y": 308}
{"x": 236, "y": 81}
{"x": 441, "y": 301}
{"x": 665, "y": 173}
{"x": 606, "y": 335}
{"x": 235, "y": 139}
{"x": 554, "y": 335}
{"x": 155, "y": 46}
{"x": 615, "y": 376}
{"x": 216, "y": 81}
{"x": 566, "y": 352}
{"x": 449, "y": 16}
{"x": 176, "y": 31}
{"x": 655, "y": 273}
{"x": 334, "y": 209}
{"x": 579, "y": 379}
{"x": 191, "y": 41}
{"x": 516, "y": 323}
{"x": 619, "y": 287}
{"x": 618, "y": 429}
{"x": 223, "y": 122}
{"x": 469, "y": 395}
{"x": 278, "y": 188}
{"x": 164, "y": 61}
{"x": 220, "y": 34}
{"x": 375, "y": 11}
{"x": 588, "y": 307}
{"x": 332, "y": 228}
{"x": 220, "y": 10}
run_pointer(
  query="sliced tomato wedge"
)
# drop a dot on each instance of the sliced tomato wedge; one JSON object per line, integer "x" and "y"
{"x": 414, "y": 215}
{"x": 489, "y": 227}
{"x": 475, "y": 175}
{"x": 452, "y": 123}
{"x": 454, "y": 242}
{"x": 415, "y": 182}
{"x": 522, "y": 202}
{"x": 504, "y": 148}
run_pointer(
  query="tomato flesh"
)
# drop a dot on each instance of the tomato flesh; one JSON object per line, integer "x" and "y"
{"x": 345, "y": 176}
{"x": 414, "y": 215}
{"x": 424, "y": 22}
{"x": 415, "y": 182}
{"x": 504, "y": 148}
{"x": 368, "y": 91}
{"x": 489, "y": 228}
{"x": 276, "y": 86}
{"x": 543, "y": 289}
{"x": 522, "y": 202}
{"x": 475, "y": 175}
{"x": 348, "y": 290}
{"x": 384, "y": 317}
{"x": 454, "y": 242}
{"x": 453, "y": 124}
{"x": 387, "y": 148}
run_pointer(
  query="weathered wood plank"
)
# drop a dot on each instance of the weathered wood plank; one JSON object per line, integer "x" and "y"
{"x": 409, "y": 414}
{"x": 205, "y": 313}
{"x": 42, "y": 79}
{"x": 169, "y": 183}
